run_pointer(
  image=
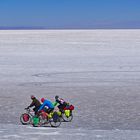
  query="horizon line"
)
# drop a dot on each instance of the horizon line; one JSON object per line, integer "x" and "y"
{"x": 60, "y": 28}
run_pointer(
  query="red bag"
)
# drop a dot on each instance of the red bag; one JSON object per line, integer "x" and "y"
{"x": 43, "y": 114}
{"x": 26, "y": 117}
{"x": 71, "y": 107}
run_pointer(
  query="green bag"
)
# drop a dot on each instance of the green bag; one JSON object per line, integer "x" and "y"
{"x": 35, "y": 120}
{"x": 55, "y": 104}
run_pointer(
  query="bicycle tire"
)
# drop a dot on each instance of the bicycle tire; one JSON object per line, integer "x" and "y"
{"x": 23, "y": 121}
{"x": 67, "y": 118}
{"x": 55, "y": 121}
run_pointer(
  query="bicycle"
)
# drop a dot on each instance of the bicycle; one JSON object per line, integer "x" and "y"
{"x": 67, "y": 114}
{"x": 44, "y": 118}
{"x": 26, "y": 118}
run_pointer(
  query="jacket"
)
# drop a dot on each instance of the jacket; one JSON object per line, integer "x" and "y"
{"x": 35, "y": 103}
{"x": 61, "y": 101}
{"x": 48, "y": 104}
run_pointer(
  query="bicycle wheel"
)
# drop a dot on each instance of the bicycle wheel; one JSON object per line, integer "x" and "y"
{"x": 55, "y": 121}
{"x": 25, "y": 119}
{"x": 67, "y": 118}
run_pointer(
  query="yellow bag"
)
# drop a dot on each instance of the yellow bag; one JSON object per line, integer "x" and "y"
{"x": 67, "y": 113}
{"x": 59, "y": 113}
{"x": 50, "y": 115}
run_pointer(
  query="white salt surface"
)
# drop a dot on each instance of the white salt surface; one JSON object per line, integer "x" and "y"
{"x": 96, "y": 70}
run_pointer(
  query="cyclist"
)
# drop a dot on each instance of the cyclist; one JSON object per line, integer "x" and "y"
{"x": 47, "y": 106}
{"x": 61, "y": 102}
{"x": 36, "y": 103}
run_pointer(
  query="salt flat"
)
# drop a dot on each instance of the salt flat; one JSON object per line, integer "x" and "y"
{"x": 96, "y": 70}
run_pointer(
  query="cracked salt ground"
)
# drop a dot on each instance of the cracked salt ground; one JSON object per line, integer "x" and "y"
{"x": 16, "y": 132}
{"x": 100, "y": 77}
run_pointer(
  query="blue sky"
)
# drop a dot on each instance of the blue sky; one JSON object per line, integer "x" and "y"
{"x": 59, "y": 14}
